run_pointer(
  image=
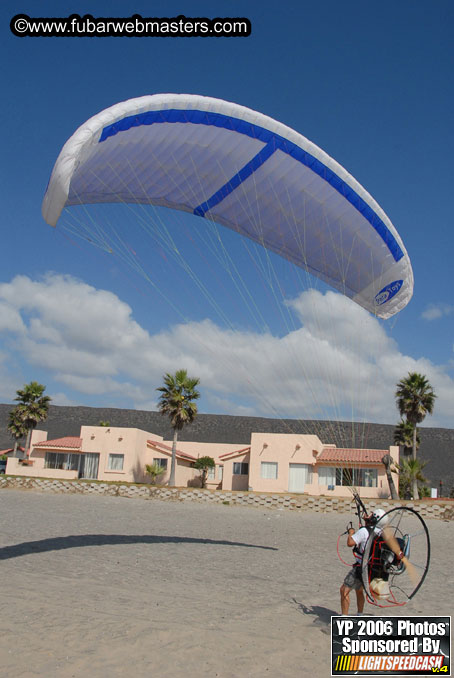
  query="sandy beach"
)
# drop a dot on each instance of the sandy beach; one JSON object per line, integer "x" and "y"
{"x": 102, "y": 586}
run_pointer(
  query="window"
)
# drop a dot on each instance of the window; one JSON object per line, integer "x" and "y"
{"x": 344, "y": 477}
{"x": 161, "y": 462}
{"x": 359, "y": 477}
{"x": 268, "y": 470}
{"x": 240, "y": 468}
{"x": 62, "y": 460}
{"x": 220, "y": 472}
{"x": 326, "y": 475}
{"x": 89, "y": 464}
{"x": 116, "y": 462}
{"x": 211, "y": 473}
{"x": 370, "y": 477}
{"x": 54, "y": 460}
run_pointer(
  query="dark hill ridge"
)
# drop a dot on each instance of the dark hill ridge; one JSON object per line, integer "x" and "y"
{"x": 437, "y": 444}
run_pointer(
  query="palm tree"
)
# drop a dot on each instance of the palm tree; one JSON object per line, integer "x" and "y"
{"x": 410, "y": 473}
{"x": 177, "y": 402}
{"x": 415, "y": 398}
{"x": 154, "y": 470}
{"x": 16, "y": 428}
{"x": 33, "y": 407}
{"x": 403, "y": 436}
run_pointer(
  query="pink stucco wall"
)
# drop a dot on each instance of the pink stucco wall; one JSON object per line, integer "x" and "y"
{"x": 231, "y": 481}
{"x": 214, "y": 450}
{"x": 130, "y": 442}
{"x": 37, "y": 470}
{"x": 285, "y": 449}
{"x": 184, "y": 473}
{"x": 289, "y": 454}
{"x": 14, "y": 466}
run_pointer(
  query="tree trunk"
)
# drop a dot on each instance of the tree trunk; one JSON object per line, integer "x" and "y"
{"x": 27, "y": 443}
{"x": 415, "y": 482}
{"x": 387, "y": 461}
{"x": 174, "y": 459}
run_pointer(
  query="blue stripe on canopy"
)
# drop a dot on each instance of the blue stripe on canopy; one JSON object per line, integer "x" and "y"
{"x": 273, "y": 142}
{"x": 250, "y": 167}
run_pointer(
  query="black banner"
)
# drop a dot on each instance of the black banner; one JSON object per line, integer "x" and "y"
{"x": 417, "y": 646}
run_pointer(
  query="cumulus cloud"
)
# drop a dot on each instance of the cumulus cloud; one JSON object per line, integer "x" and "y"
{"x": 339, "y": 362}
{"x": 10, "y": 377}
{"x": 10, "y": 320}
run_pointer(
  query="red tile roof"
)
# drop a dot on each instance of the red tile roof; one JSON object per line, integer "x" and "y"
{"x": 68, "y": 441}
{"x": 11, "y": 449}
{"x": 235, "y": 453}
{"x": 167, "y": 449}
{"x": 347, "y": 455}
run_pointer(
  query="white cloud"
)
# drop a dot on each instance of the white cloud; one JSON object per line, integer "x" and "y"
{"x": 436, "y": 311}
{"x": 62, "y": 399}
{"x": 10, "y": 319}
{"x": 339, "y": 363}
{"x": 97, "y": 385}
{"x": 226, "y": 406}
{"x": 9, "y": 382}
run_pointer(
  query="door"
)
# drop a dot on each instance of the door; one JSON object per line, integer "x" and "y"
{"x": 89, "y": 465}
{"x": 299, "y": 476}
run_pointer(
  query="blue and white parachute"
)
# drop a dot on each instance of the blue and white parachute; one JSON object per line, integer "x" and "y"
{"x": 246, "y": 171}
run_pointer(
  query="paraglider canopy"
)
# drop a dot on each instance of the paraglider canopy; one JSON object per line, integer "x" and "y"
{"x": 246, "y": 171}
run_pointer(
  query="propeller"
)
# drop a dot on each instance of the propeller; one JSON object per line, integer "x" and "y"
{"x": 394, "y": 546}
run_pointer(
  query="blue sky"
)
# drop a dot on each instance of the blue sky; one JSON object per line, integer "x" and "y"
{"x": 371, "y": 84}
